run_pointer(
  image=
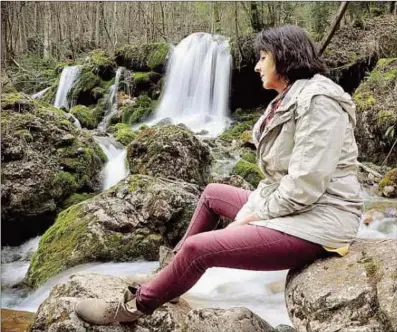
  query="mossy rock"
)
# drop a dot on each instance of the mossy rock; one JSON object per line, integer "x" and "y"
{"x": 376, "y": 129}
{"x": 45, "y": 159}
{"x": 388, "y": 185}
{"x": 125, "y": 223}
{"x": 145, "y": 57}
{"x": 146, "y": 82}
{"x": 76, "y": 199}
{"x": 172, "y": 152}
{"x": 102, "y": 64}
{"x": 88, "y": 117}
{"x": 239, "y": 129}
{"x": 249, "y": 156}
{"x": 82, "y": 91}
{"x": 137, "y": 112}
{"x": 124, "y": 134}
{"x": 248, "y": 171}
{"x": 6, "y": 85}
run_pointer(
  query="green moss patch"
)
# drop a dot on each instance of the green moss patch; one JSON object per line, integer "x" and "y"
{"x": 248, "y": 171}
{"x": 124, "y": 134}
{"x": 139, "y": 111}
{"x": 88, "y": 117}
{"x": 144, "y": 57}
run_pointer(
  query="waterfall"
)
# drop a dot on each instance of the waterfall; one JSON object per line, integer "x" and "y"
{"x": 40, "y": 94}
{"x": 197, "y": 84}
{"x": 111, "y": 102}
{"x": 115, "y": 170}
{"x": 69, "y": 76}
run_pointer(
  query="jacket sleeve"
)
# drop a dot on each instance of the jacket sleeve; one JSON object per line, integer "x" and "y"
{"x": 319, "y": 138}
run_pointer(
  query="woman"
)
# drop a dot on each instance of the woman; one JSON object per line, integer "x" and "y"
{"x": 307, "y": 206}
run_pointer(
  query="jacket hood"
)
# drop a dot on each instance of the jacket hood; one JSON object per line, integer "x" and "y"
{"x": 321, "y": 85}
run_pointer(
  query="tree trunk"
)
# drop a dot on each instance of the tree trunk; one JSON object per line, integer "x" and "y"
{"x": 341, "y": 11}
{"x": 46, "y": 50}
{"x": 256, "y": 23}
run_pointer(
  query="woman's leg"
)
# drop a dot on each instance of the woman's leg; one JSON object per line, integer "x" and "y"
{"x": 246, "y": 247}
{"x": 216, "y": 200}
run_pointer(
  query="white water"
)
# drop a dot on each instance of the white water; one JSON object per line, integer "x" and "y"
{"x": 111, "y": 104}
{"x": 197, "y": 84}
{"x": 69, "y": 76}
{"x": 40, "y": 94}
{"x": 115, "y": 169}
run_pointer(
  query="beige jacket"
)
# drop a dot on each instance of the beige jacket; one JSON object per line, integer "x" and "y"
{"x": 308, "y": 155}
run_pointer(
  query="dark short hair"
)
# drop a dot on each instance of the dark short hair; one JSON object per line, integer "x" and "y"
{"x": 295, "y": 55}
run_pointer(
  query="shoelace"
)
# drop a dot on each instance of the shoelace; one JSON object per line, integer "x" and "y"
{"x": 120, "y": 303}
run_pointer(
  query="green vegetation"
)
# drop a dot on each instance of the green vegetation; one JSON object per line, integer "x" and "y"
{"x": 139, "y": 111}
{"x": 124, "y": 134}
{"x": 248, "y": 171}
{"x": 87, "y": 116}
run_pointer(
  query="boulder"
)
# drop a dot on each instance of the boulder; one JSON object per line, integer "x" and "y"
{"x": 388, "y": 185}
{"x": 144, "y": 57}
{"x": 356, "y": 292}
{"x": 56, "y": 312}
{"x": 235, "y": 319}
{"x": 172, "y": 152}
{"x": 45, "y": 159}
{"x": 125, "y": 223}
{"x": 376, "y": 100}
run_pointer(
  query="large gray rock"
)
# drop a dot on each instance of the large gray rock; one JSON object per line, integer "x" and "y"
{"x": 172, "y": 152}
{"x": 127, "y": 222}
{"x": 356, "y": 292}
{"x": 45, "y": 159}
{"x": 235, "y": 319}
{"x": 56, "y": 312}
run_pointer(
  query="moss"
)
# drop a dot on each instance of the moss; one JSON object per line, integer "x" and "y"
{"x": 138, "y": 112}
{"x": 364, "y": 100}
{"x": 143, "y": 57}
{"x": 250, "y": 172}
{"x": 64, "y": 184}
{"x": 102, "y": 64}
{"x": 157, "y": 55}
{"x": 390, "y": 179}
{"x": 81, "y": 92}
{"x": 124, "y": 134}
{"x": 76, "y": 199}
{"x": 250, "y": 157}
{"x": 371, "y": 267}
{"x": 98, "y": 92}
{"x": 87, "y": 117}
{"x": 387, "y": 117}
{"x": 386, "y": 62}
{"x": 13, "y": 100}
{"x": 57, "y": 245}
{"x": 139, "y": 77}
{"x": 236, "y": 131}
{"x": 25, "y": 135}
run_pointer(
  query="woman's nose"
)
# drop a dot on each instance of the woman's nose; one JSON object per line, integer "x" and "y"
{"x": 257, "y": 67}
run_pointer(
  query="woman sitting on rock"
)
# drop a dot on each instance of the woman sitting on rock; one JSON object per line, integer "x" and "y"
{"x": 308, "y": 205}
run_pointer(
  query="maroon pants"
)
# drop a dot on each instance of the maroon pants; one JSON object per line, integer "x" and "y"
{"x": 247, "y": 247}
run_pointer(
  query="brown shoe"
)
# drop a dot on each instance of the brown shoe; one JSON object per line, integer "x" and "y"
{"x": 104, "y": 312}
{"x": 166, "y": 255}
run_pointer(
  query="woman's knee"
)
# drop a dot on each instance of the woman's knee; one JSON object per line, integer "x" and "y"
{"x": 212, "y": 189}
{"x": 192, "y": 247}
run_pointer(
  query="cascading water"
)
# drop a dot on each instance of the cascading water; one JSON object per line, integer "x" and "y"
{"x": 41, "y": 93}
{"x": 69, "y": 76}
{"x": 197, "y": 84}
{"x": 111, "y": 105}
{"x": 115, "y": 170}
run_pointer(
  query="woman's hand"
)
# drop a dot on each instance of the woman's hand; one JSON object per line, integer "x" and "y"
{"x": 244, "y": 221}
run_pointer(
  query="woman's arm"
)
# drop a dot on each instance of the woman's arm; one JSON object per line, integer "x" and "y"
{"x": 319, "y": 138}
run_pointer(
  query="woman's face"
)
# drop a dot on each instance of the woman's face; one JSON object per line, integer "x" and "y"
{"x": 266, "y": 67}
